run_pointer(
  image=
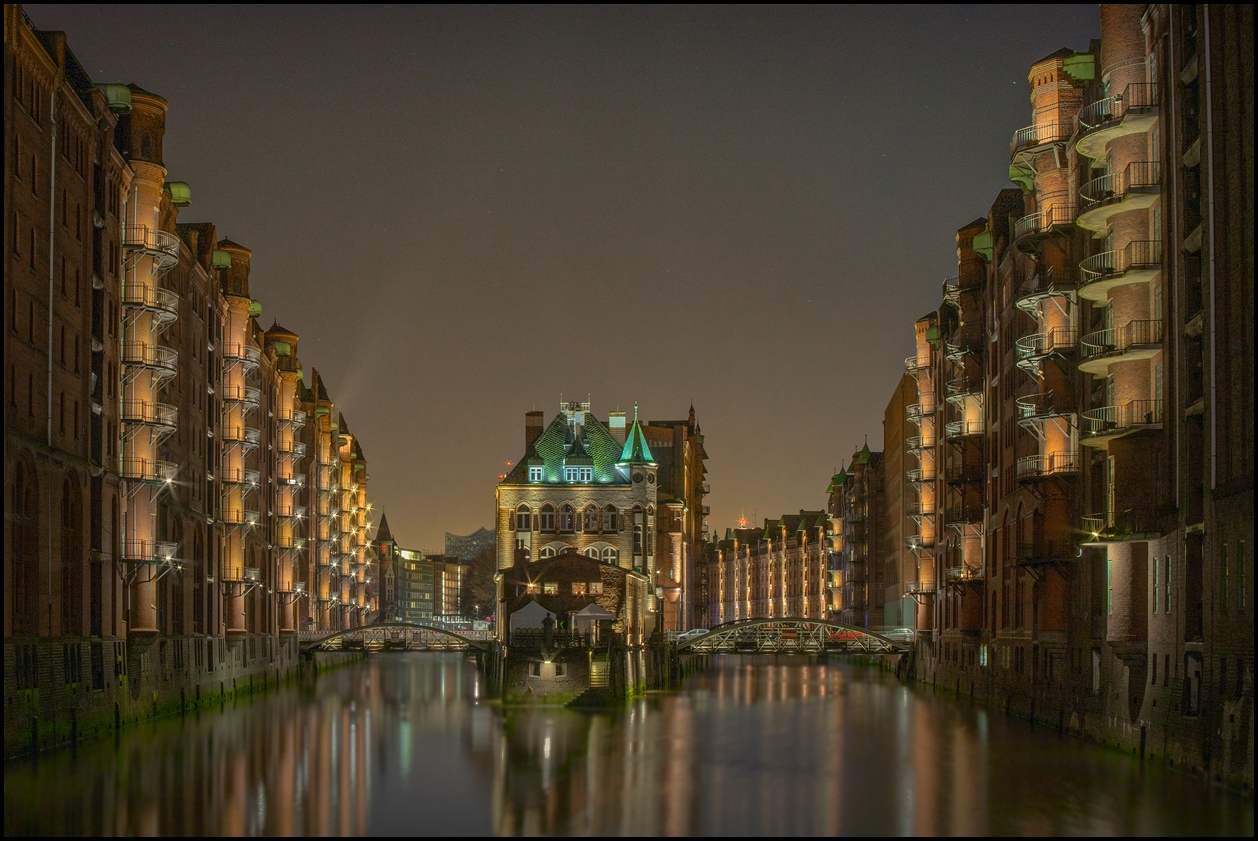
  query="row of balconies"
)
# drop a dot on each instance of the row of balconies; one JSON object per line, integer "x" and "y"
{"x": 1095, "y": 126}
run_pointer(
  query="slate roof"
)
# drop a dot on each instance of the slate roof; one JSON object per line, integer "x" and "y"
{"x": 559, "y": 445}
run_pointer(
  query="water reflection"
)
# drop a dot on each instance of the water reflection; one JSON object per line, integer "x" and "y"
{"x": 400, "y": 744}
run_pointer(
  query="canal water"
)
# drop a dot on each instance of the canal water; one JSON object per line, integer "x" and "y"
{"x": 403, "y": 744}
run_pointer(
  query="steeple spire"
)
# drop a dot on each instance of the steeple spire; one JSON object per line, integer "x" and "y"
{"x": 636, "y": 450}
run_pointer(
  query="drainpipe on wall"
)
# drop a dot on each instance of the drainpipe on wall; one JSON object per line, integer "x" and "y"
{"x": 52, "y": 229}
{"x": 1214, "y": 377}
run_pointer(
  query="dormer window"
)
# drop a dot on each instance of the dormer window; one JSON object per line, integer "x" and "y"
{"x": 535, "y": 474}
{"x": 586, "y": 474}
{"x": 570, "y": 474}
{"x": 578, "y": 474}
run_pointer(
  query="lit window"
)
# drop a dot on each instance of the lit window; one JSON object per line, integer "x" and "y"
{"x": 532, "y": 588}
{"x": 550, "y": 588}
{"x": 570, "y": 474}
{"x": 547, "y": 552}
{"x": 535, "y": 474}
{"x": 578, "y": 588}
{"x": 567, "y": 518}
{"x": 609, "y": 518}
{"x": 522, "y": 518}
{"x": 548, "y": 517}
{"x": 596, "y": 588}
{"x": 587, "y": 474}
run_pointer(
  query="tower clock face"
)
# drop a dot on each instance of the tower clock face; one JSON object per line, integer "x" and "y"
{"x": 637, "y": 477}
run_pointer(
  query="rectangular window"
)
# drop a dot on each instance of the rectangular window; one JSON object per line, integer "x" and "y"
{"x": 1109, "y": 588}
{"x": 1155, "y": 592}
{"x": 550, "y": 588}
{"x": 596, "y": 588}
{"x": 1153, "y": 665}
{"x": 1240, "y": 574}
{"x": 587, "y": 474}
{"x": 535, "y": 474}
{"x": 1223, "y": 579}
{"x": 1166, "y": 579}
{"x": 578, "y": 588}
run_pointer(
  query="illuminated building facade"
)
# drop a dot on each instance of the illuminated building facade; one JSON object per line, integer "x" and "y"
{"x": 899, "y": 563}
{"x": 582, "y": 485}
{"x": 774, "y": 572}
{"x": 1085, "y": 463}
{"x": 855, "y": 507}
{"x": 154, "y": 476}
{"x": 418, "y": 586}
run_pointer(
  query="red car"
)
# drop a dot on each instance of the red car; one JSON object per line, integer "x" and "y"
{"x": 846, "y": 636}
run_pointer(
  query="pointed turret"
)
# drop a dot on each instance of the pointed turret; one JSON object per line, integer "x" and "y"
{"x": 383, "y": 535}
{"x": 636, "y": 450}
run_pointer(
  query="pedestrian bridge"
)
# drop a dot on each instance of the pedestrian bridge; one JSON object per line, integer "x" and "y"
{"x": 397, "y": 636}
{"x": 791, "y": 636}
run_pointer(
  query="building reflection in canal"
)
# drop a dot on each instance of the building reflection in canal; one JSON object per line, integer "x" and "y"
{"x": 402, "y": 744}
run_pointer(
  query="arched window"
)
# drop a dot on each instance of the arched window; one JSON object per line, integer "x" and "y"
{"x": 547, "y": 551}
{"x": 523, "y": 515}
{"x": 567, "y": 518}
{"x": 609, "y": 518}
{"x": 548, "y": 517}
{"x": 591, "y": 552}
{"x": 610, "y": 555}
{"x": 590, "y": 523}
{"x": 71, "y": 560}
{"x": 25, "y": 548}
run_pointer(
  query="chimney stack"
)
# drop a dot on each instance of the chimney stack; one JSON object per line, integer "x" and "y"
{"x": 534, "y": 425}
{"x": 616, "y": 425}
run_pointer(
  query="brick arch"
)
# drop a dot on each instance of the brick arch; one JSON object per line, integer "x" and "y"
{"x": 23, "y": 495}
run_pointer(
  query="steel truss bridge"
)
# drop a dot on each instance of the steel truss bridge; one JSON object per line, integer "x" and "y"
{"x": 396, "y": 636}
{"x": 791, "y": 636}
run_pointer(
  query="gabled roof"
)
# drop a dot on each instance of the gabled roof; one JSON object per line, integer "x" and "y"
{"x": 559, "y": 444}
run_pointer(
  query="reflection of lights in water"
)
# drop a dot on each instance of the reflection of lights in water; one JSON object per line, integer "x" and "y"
{"x": 261, "y": 808}
{"x": 404, "y": 743}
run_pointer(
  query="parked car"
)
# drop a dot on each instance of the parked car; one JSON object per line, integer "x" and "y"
{"x": 900, "y": 635}
{"x": 693, "y": 633}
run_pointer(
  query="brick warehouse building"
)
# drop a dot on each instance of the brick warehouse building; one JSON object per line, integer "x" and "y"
{"x": 1085, "y": 393}
{"x": 158, "y": 479}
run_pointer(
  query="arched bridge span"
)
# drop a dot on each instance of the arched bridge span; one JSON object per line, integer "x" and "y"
{"x": 395, "y": 636}
{"x": 791, "y": 636}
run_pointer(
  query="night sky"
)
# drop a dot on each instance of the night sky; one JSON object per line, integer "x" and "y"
{"x": 468, "y": 212}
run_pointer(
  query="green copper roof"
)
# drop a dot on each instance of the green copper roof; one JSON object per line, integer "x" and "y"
{"x": 636, "y": 450}
{"x": 590, "y": 444}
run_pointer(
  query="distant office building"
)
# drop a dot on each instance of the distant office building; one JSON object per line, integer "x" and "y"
{"x": 418, "y": 586}
{"x": 468, "y": 546}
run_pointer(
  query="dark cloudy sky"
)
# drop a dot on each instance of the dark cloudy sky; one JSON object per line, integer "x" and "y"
{"x": 466, "y": 212}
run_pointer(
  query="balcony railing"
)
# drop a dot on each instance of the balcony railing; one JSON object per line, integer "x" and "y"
{"x": 955, "y": 351}
{"x": 149, "y": 470}
{"x": 920, "y": 474}
{"x": 233, "y": 516}
{"x": 245, "y": 435}
{"x": 961, "y": 473}
{"x": 290, "y": 541}
{"x": 246, "y": 395}
{"x": 917, "y": 542}
{"x": 1133, "y": 414}
{"x": 297, "y": 480}
{"x": 1044, "y": 282}
{"x": 1043, "y": 134}
{"x": 1040, "y": 406}
{"x": 148, "y": 552}
{"x": 1054, "y": 216}
{"x": 142, "y": 354}
{"x": 293, "y": 417}
{"x": 150, "y": 413}
{"x": 247, "y": 354}
{"x": 297, "y": 512}
{"x": 162, "y": 302}
{"x": 1105, "y": 112}
{"x": 1145, "y": 176}
{"x": 912, "y": 364}
{"x": 1130, "y": 524}
{"x": 963, "y": 387}
{"x": 1053, "y": 340}
{"x": 296, "y": 449}
{"x": 159, "y": 244}
{"x": 963, "y": 428}
{"x": 917, "y": 411}
{"x": 1139, "y": 254}
{"x": 237, "y": 476}
{"x": 1052, "y": 464}
{"x": 1119, "y": 340}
